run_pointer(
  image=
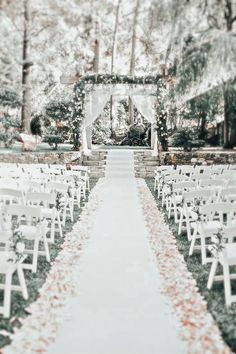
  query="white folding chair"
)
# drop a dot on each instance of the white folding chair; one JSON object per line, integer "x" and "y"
{"x": 158, "y": 173}
{"x": 191, "y": 200}
{"x": 85, "y": 172}
{"x": 48, "y": 211}
{"x": 175, "y": 199}
{"x": 63, "y": 190}
{"x": 212, "y": 218}
{"x": 28, "y": 220}
{"x": 7, "y": 269}
{"x": 226, "y": 257}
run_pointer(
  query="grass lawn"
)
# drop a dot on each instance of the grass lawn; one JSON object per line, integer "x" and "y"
{"x": 224, "y": 317}
{"x": 34, "y": 282}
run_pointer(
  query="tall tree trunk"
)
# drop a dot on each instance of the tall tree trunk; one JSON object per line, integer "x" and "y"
{"x": 226, "y": 118}
{"x": 97, "y": 47}
{"x": 133, "y": 57}
{"x": 96, "y": 55}
{"x": 202, "y": 132}
{"x": 26, "y": 84}
{"x": 113, "y": 55}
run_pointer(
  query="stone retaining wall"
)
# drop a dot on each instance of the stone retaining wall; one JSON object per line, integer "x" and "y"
{"x": 199, "y": 157}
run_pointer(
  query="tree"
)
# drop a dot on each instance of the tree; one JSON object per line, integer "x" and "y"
{"x": 133, "y": 57}
{"x": 61, "y": 114}
{"x": 113, "y": 55}
{"x": 26, "y": 64}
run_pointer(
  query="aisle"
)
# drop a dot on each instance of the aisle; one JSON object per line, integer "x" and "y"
{"x": 120, "y": 309}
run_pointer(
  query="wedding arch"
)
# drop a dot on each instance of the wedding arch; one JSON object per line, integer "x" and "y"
{"x": 92, "y": 92}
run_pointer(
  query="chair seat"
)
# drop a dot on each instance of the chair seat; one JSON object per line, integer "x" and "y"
{"x": 48, "y": 213}
{"x": 230, "y": 253}
{"x": 209, "y": 227}
{"x": 178, "y": 199}
{"x": 6, "y": 265}
{"x": 29, "y": 231}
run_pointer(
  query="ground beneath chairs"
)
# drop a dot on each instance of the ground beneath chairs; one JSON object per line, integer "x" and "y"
{"x": 120, "y": 308}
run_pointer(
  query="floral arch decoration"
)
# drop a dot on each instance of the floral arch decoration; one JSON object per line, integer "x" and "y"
{"x": 87, "y": 83}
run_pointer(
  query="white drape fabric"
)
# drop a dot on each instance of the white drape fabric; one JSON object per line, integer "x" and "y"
{"x": 145, "y": 105}
{"x": 97, "y": 99}
{"x": 95, "y": 104}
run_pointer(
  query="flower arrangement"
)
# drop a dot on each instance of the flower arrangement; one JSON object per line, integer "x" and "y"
{"x": 17, "y": 245}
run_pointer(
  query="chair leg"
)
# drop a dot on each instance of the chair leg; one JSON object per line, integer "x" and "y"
{"x": 22, "y": 282}
{"x": 88, "y": 185}
{"x": 35, "y": 255}
{"x": 7, "y": 295}
{"x": 59, "y": 224}
{"x": 180, "y": 222}
{"x": 45, "y": 243}
{"x": 227, "y": 285}
{"x": 203, "y": 249}
{"x": 192, "y": 243}
{"x": 175, "y": 213}
{"x": 189, "y": 236}
{"x": 212, "y": 273}
{"x": 64, "y": 215}
{"x": 52, "y": 231}
{"x": 71, "y": 211}
{"x": 168, "y": 207}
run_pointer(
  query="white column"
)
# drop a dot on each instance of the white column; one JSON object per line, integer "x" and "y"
{"x": 89, "y": 136}
{"x": 152, "y": 136}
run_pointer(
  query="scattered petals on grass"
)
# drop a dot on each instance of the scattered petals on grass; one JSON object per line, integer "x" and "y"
{"x": 39, "y": 329}
{"x": 198, "y": 328}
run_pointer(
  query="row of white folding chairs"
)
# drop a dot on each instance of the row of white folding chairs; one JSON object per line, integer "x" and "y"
{"x": 160, "y": 171}
{"x": 186, "y": 183}
{"x": 200, "y": 179}
{"x": 216, "y": 213}
{"x": 19, "y": 170}
{"x": 48, "y": 193}
{"x": 81, "y": 177}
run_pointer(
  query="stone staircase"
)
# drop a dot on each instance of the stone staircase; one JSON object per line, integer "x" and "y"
{"x": 145, "y": 163}
{"x": 96, "y": 163}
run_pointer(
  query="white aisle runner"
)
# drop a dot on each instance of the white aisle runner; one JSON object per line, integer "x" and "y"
{"x": 120, "y": 309}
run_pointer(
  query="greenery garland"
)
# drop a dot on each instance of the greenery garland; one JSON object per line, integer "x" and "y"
{"x": 106, "y": 79}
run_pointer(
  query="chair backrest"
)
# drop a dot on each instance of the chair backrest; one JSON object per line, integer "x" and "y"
{"x": 232, "y": 182}
{"x": 217, "y": 211}
{"x": 196, "y": 176}
{"x": 229, "y": 233}
{"x": 181, "y": 187}
{"x": 228, "y": 194}
{"x": 160, "y": 169}
{"x": 212, "y": 183}
{"x": 41, "y": 198}
{"x": 202, "y": 196}
{"x": 23, "y": 210}
{"x": 11, "y": 195}
{"x": 57, "y": 187}
{"x": 185, "y": 169}
{"x": 176, "y": 178}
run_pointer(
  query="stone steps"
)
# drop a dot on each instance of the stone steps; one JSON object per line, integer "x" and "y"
{"x": 96, "y": 163}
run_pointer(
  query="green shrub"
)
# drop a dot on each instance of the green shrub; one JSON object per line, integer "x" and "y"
{"x": 61, "y": 115}
{"x": 186, "y": 138}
